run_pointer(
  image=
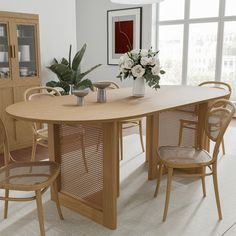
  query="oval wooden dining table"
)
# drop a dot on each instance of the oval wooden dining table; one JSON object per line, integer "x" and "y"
{"x": 74, "y": 130}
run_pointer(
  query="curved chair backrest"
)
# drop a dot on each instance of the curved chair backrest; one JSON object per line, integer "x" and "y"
{"x": 217, "y": 120}
{"x": 4, "y": 143}
{"x": 218, "y": 84}
{"x": 113, "y": 85}
{"x": 40, "y": 92}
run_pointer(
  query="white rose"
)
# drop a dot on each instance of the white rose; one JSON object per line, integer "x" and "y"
{"x": 128, "y": 64}
{"x": 152, "y": 61}
{"x": 144, "y": 61}
{"x": 156, "y": 70}
{"x": 121, "y": 60}
{"x": 122, "y": 69}
{"x": 135, "y": 52}
{"x": 138, "y": 71}
{"x": 144, "y": 53}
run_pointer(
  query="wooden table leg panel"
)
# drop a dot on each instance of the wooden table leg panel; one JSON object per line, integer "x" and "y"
{"x": 91, "y": 191}
{"x": 152, "y": 144}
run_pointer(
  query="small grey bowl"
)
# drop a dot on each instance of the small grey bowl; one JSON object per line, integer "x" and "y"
{"x": 80, "y": 94}
{"x": 101, "y": 85}
{"x": 101, "y": 95}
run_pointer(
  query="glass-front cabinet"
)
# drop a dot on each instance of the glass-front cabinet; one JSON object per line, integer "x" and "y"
{"x": 19, "y": 69}
{"x": 4, "y": 54}
{"x": 19, "y": 49}
{"x": 27, "y": 52}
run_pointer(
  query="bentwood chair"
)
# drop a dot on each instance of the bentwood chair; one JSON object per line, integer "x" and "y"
{"x": 126, "y": 124}
{"x": 27, "y": 177}
{"x": 175, "y": 158}
{"x": 192, "y": 123}
{"x": 40, "y": 135}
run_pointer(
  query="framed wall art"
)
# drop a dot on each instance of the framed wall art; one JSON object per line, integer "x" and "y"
{"x": 124, "y": 32}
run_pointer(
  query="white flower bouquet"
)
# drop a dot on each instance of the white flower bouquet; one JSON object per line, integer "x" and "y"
{"x": 141, "y": 64}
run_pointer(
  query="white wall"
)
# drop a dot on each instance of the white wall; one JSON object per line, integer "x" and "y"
{"x": 92, "y": 29}
{"x": 57, "y": 27}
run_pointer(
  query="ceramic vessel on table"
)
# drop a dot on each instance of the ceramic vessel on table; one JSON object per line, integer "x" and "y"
{"x": 101, "y": 86}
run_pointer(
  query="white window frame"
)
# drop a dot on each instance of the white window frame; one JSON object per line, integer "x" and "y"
{"x": 220, "y": 20}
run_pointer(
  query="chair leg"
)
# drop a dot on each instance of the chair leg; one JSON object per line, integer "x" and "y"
{"x": 203, "y": 181}
{"x": 83, "y": 153}
{"x": 223, "y": 146}
{"x": 34, "y": 145}
{"x": 168, "y": 189}
{"x": 6, "y": 203}
{"x": 180, "y": 133}
{"x": 141, "y": 135}
{"x": 215, "y": 181}
{"x": 40, "y": 212}
{"x": 55, "y": 188}
{"x": 158, "y": 179}
{"x": 121, "y": 141}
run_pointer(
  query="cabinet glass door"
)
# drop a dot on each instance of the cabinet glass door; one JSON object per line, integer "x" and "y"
{"x": 4, "y": 57}
{"x": 27, "y": 53}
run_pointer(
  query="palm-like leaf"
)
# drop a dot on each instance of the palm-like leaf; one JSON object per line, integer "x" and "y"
{"x": 80, "y": 76}
{"x": 78, "y": 57}
{"x": 86, "y": 83}
{"x": 62, "y": 71}
{"x": 64, "y": 62}
{"x": 60, "y": 84}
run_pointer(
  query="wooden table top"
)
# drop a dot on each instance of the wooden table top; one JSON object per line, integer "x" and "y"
{"x": 120, "y": 105}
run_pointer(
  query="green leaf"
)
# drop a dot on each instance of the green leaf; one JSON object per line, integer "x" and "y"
{"x": 60, "y": 84}
{"x": 84, "y": 84}
{"x": 64, "y": 62}
{"x": 55, "y": 61}
{"x": 80, "y": 76}
{"x": 78, "y": 57}
{"x": 52, "y": 84}
{"x": 70, "y": 56}
{"x": 63, "y": 72}
{"x": 162, "y": 72}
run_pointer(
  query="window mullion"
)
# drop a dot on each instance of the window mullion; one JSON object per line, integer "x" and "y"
{"x": 220, "y": 40}
{"x": 158, "y": 25}
{"x": 185, "y": 43}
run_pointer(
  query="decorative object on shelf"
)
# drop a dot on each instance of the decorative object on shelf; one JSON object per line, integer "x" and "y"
{"x": 144, "y": 66}
{"x": 19, "y": 56}
{"x": 25, "y": 52}
{"x": 124, "y": 32}
{"x": 101, "y": 94}
{"x": 23, "y": 71}
{"x": 4, "y": 72}
{"x": 3, "y": 56}
{"x": 80, "y": 94}
{"x": 69, "y": 72}
{"x": 19, "y": 33}
{"x": 136, "y": 2}
{"x": 2, "y": 33}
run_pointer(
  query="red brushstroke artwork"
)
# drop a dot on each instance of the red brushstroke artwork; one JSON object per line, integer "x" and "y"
{"x": 124, "y": 36}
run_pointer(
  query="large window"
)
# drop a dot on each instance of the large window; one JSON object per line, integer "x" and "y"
{"x": 197, "y": 41}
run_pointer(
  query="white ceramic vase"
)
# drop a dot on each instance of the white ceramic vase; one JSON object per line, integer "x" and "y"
{"x": 139, "y": 87}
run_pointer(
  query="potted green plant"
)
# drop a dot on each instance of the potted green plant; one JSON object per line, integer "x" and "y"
{"x": 69, "y": 73}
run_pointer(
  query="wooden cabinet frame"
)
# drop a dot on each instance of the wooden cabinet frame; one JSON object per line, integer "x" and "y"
{"x": 12, "y": 89}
